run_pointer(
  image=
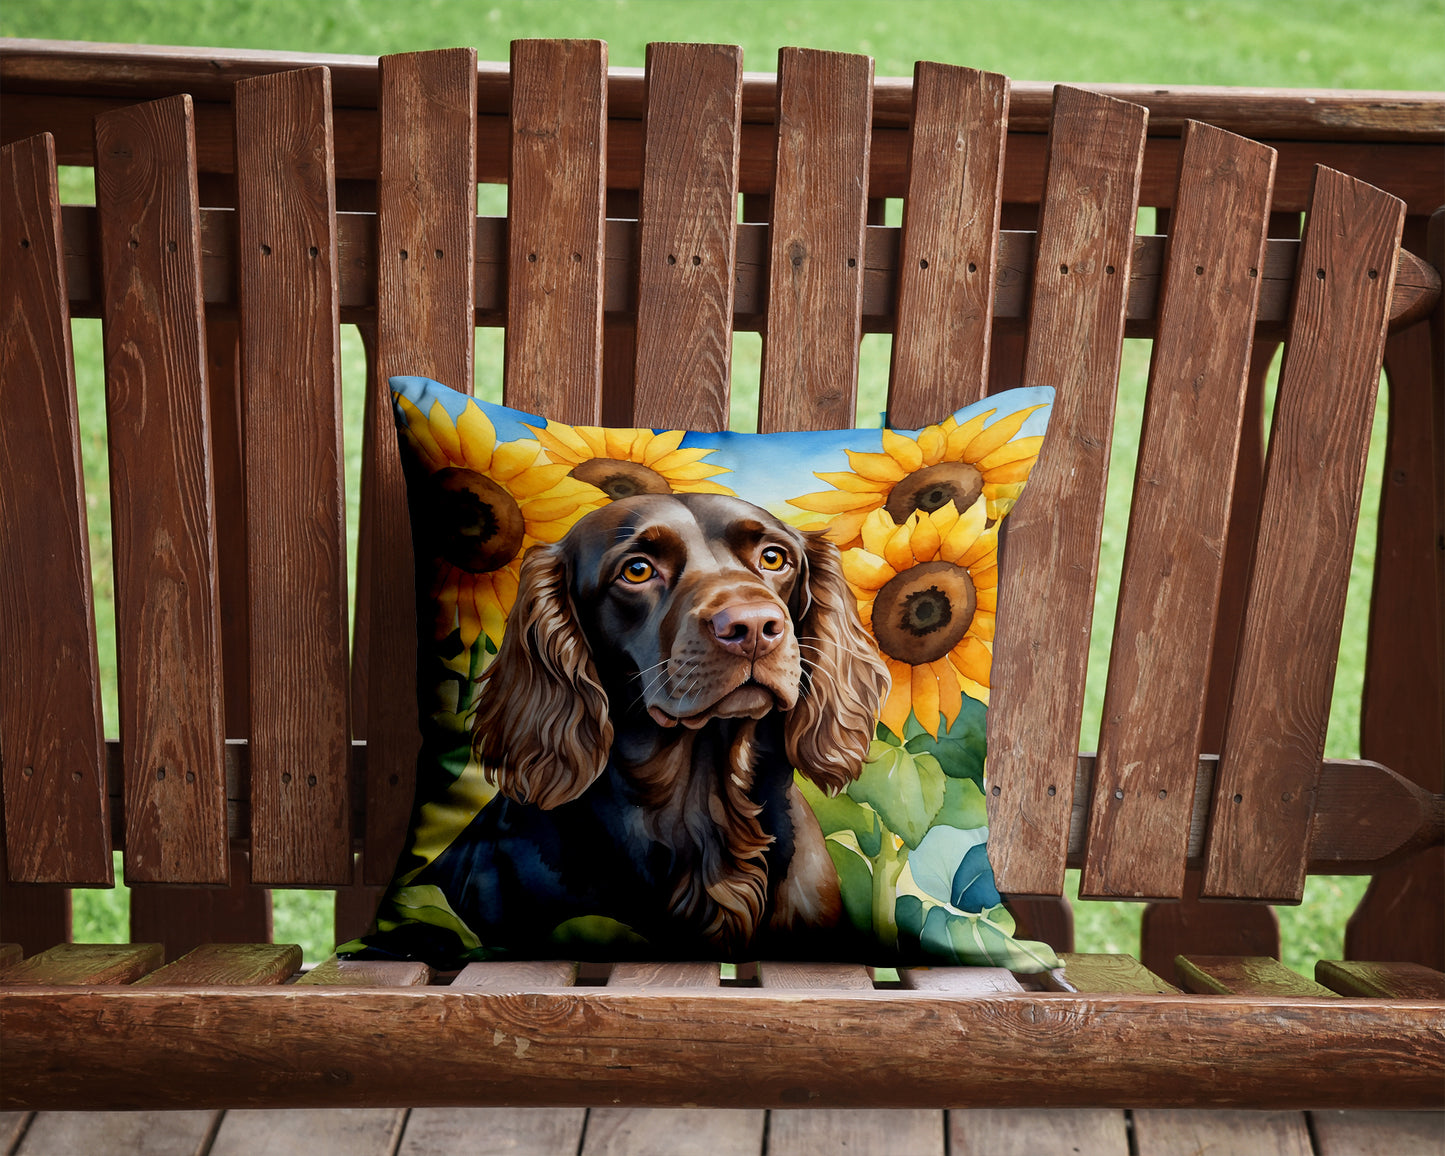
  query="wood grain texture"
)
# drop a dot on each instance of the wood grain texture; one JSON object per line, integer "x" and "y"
{"x": 426, "y": 222}
{"x": 949, "y": 246}
{"x": 786, "y": 975}
{"x": 482, "y": 1131}
{"x": 1399, "y": 916}
{"x": 85, "y": 963}
{"x": 687, "y": 236}
{"x": 674, "y": 1132}
{"x": 815, "y": 277}
{"x": 1169, "y": 1132}
{"x": 1347, "y": 1133}
{"x": 132, "y": 1133}
{"x": 875, "y": 1132}
{"x": 1081, "y": 274}
{"x": 1190, "y": 925}
{"x": 183, "y": 917}
{"x": 336, "y": 972}
{"x": 664, "y": 975}
{"x": 1030, "y": 1131}
{"x": 13, "y": 1125}
{"x": 167, "y": 619}
{"x": 1242, "y": 975}
{"x": 323, "y": 1132}
{"x": 228, "y": 963}
{"x": 1154, "y": 700}
{"x": 320, "y": 1048}
{"x": 57, "y": 824}
{"x": 555, "y": 207}
{"x": 300, "y": 740}
{"x": 34, "y": 915}
{"x": 517, "y": 975}
{"x": 1275, "y": 732}
{"x": 1384, "y": 980}
{"x": 959, "y": 980}
{"x": 1097, "y": 972}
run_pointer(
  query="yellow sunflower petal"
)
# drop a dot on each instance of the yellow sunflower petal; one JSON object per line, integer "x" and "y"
{"x": 704, "y": 487}
{"x": 536, "y": 479}
{"x": 620, "y": 442}
{"x": 490, "y": 611}
{"x": 982, "y": 625}
{"x": 540, "y": 511}
{"x": 932, "y": 441}
{"x": 876, "y": 467}
{"x": 504, "y": 585}
{"x": 1014, "y": 451}
{"x": 661, "y": 445}
{"x": 944, "y": 518}
{"x": 950, "y": 698}
{"x": 960, "y": 435}
{"x": 983, "y": 554}
{"x": 877, "y": 528}
{"x": 897, "y": 549}
{"x": 468, "y": 620}
{"x": 1012, "y": 473}
{"x": 444, "y": 432}
{"x": 511, "y": 458}
{"x": 902, "y": 450}
{"x": 972, "y": 658}
{"x": 834, "y": 502}
{"x": 682, "y": 458}
{"x": 479, "y": 437}
{"x": 925, "y": 540}
{"x": 562, "y": 443}
{"x": 865, "y": 613}
{"x": 419, "y": 433}
{"x": 964, "y": 533}
{"x": 690, "y": 472}
{"x": 987, "y": 599}
{"x": 998, "y": 433}
{"x": 866, "y": 571}
{"x": 846, "y": 529}
{"x": 855, "y": 483}
{"x": 925, "y": 698}
{"x": 894, "y": 714}
{"x": 976, "y": 691}
{"x": 1001, "y": 499}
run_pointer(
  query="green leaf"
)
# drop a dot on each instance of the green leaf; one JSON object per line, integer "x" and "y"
{"x": 978, "y": 940}
{"x": 973, "y": 885}
{"x": 840, "y": 813}
{"x": 964, "y": 806}
{"x": 938, "y": 856}
{"x": 908, "y": 914}
{"x": 960, "y": 749}
{"x": 596, "y": 929}
{"x": 905, "y": 789}
{"x": 937, "y": 939}
{"x": 855, "y": 881}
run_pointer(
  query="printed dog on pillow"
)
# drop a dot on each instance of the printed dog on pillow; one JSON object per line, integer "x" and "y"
{"x": 665, "y": 667}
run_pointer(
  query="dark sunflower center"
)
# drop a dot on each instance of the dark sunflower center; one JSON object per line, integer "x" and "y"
{"x": 923, "y": 613}
{"x": 933, "y": 487}
{"x": 619, "y": 479}
{"x": 471, "y": 521}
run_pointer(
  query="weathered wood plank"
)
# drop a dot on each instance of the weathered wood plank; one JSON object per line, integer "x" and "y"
{"x": 132, "y": 1133}
{"x": 1171, "y": 1131}
{"x": 786, "y": 975}
{"x": 518, "y": 975}
{"x": 816, "y": 260}
{"x": 1154, "y": 700}
{"x": 85, "y": 963}
{"x": 228, "y": 963}
{"x": 687, "y": 236}
{"x": 664, "y": 975}
{"x": 57, "y": 825}
{"x": 426, "y": 221}
{"x": 959, "y": 980}
{"x": 34, "y": 915}
{"x": 947, "y": 266}
{"x": 300, "y": 828}
{"x": 1190, "y": 925}
{"x": 168, "y": 631}
{"x": 1243, "y": 975}
{"x": 336, "y": 972}
{"x": 868, "y": 1132}
{"x": 316, "y": 1132}
{"x": 1384, "y": 980}
{"x": 480, "y": 1131}
{"x": 13, "y": 1126}
{"x": 555, "y": 209}
{"x": 1076, "y": 331}
{"x": 674, "y": 1132}
{"x": 1354, "y": 1133}
{"x": 1030, "y": 1131}
{"x": 1096, "y": 972}
{"x": 1275, "y": 732}
{"x": 320, "y": 1048}
{"x": 183, "y": 917}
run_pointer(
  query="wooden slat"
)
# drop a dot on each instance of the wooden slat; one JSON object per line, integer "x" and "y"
{"x": 1191, "y": 925}
{"x": 1275, "y": 732}
{"x": 138, "y": 1133}
{"x": 1154, "y": 701}
{"x": 555, "y": 206}
{"x": 336, "y": 972}
{"x": 34, "y": 915}
{"x": 184, "y": 917}
{"x": 1355, "y": 1133}
{"x": 786, "y": 975}
{"x": 86, "y": 963}
{"x": 949, "y": 249}
{"x": 12, "y": 1126}
{"x": 1243, "y": 975}
{"x": 300, "y": 830}
{"x": 1384, "y": 980}
{"x": 816, "y": 259}
{"x": 228, "y": 963}
{"x": 168, "y": 632}
{"x": 1081, "y": 275}
{"x": 687, "y": 236}
{"x": 664, "y": 975}
{"x": 321, "y": 1132}
{"x": 868, "y": 1132}
{"x": 517, "y": 975}
{"x": 10, "y": 953}
{"x": 959, "y": 980}
{"x": 1169, "y": 1132}
{"x": 355, "y": 905}
{"x": 56, "y": 818}
{"x": 426, "y": 218}
{"x": 1030, "y": 1131}
{"x": 515, "y": 1131}
{"x": 1097, "y": 972}
{"x": 674, "y": 1132}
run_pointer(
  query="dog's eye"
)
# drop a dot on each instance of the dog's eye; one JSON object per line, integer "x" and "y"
{"x": 772, "y": 558}
{"x": 637, "y": 571}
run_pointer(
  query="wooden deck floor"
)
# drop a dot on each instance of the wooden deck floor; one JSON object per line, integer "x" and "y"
{"x": 685, "y": 1132}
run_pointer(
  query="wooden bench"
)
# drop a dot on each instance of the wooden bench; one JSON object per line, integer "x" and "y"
{"x": 245, "y": 207}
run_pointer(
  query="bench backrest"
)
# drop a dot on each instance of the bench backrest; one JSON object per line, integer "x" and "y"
{"x": 242, "y": 696}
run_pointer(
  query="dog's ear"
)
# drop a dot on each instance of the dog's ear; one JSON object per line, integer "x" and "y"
{"x": 542, "y": 730}
{"x": 829, "y": 730}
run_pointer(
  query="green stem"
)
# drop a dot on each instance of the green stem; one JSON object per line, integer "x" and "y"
{"x": 887, "y": 867}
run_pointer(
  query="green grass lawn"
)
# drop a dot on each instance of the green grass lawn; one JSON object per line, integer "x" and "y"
{"x": 1397, "y": 44}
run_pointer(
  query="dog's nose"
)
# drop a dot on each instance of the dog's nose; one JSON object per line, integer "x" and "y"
{"x": 751, "y": 629}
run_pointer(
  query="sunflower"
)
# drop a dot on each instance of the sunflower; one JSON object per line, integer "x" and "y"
{"x": 625, "y": 462}
{"x": 927, "y": 591}
{"x": 943, "y": 463}
{"x": 483, "y": 504}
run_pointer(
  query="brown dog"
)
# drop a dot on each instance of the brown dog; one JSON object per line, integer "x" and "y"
{"x": 665, "y": 667}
